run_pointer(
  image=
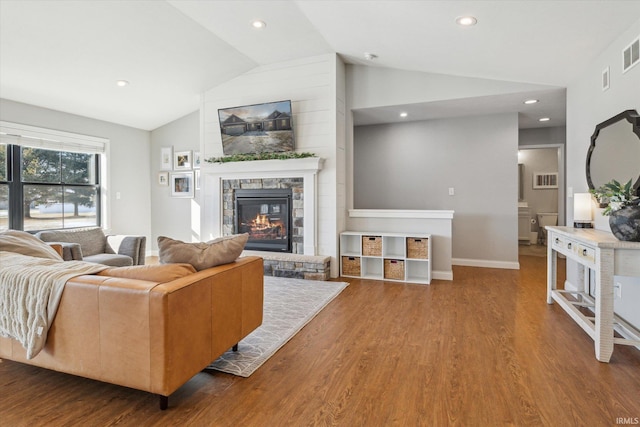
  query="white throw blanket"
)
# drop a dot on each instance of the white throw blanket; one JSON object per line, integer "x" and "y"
{"x": 30, "y": 291}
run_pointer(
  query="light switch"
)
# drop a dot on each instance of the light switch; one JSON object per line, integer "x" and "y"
{"x": 452, "y": 192}
{"x": 118, "y": 195}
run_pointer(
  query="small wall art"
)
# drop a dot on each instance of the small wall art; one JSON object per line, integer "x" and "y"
{"x": 542, "y": 180}
{"x": 163, "y": 178}
{"x": 196, "y": 159}
{"x": 166, "y": 158}
{"x": 182, "y": 160}
{"x": 182, "y": 184}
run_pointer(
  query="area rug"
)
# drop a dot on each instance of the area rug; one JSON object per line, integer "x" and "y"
{"x": 289, "y": 304}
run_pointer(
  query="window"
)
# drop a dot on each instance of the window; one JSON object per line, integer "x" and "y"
{"x": 48, "y": 183}
{"x": 59, "y": 189}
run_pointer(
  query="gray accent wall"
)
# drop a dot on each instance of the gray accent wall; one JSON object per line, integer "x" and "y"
{"x": 413, "y": 165}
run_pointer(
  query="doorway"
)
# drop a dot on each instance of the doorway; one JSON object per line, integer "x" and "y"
{"x": 542, "y": 182}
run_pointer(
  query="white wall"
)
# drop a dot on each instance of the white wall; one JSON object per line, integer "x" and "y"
{"x": 173, "y": 217}
{"x": 129, "y": 172}
{"x": 588, "y": 105}
{"x": 316, "y": 89}
{"x": 412, "y": 166}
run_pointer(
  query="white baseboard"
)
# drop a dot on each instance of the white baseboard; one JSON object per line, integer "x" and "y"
{"x": 442, "y": 275}
{"x": 486, "y": 263}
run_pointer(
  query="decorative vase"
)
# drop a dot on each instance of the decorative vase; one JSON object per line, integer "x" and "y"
{"x": 625, "y": 223}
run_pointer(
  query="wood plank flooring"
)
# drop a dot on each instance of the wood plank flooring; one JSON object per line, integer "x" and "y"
{"x": 483, "y": 350}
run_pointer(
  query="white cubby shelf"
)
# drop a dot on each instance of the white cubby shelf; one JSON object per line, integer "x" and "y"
{"x": 397, "y": 257}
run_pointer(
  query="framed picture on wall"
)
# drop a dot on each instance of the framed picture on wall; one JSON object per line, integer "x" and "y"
{"x": 163, "y": 178}
{"x": 196, "y": 159}
{"x": 182, "y": 160}
{"x": 545, "y": 180}
{"x": 166, "y": 158}
{"x": 182, "y": 184}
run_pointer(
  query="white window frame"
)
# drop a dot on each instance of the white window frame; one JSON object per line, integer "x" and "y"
{"x": 37, "y": 137}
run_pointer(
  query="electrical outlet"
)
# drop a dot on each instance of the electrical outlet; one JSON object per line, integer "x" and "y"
{"x": 118, "y": 195}
{"x": 452, "y": 191}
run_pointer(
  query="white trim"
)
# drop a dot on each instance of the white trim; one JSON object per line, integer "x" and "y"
{"x": 213, "y": 175}
{"x": 442, "y": 275}
{"x": 485, "y": 263}
{"x": 400, "y": 213}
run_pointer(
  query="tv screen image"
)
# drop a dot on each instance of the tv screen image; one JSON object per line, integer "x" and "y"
{"x": 258, "y": 128}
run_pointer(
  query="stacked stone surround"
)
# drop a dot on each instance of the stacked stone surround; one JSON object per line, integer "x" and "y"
{"x": 293, "y": 265}
{"x": 278, "y": 264}
{"x": 297, "y": 215}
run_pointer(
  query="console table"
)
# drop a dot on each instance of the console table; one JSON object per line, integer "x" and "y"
{"x": 605, "y": 256}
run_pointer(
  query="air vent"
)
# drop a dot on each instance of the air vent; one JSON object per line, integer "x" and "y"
{"x": 631, "y": 55}
{"x": 605, "y": 79}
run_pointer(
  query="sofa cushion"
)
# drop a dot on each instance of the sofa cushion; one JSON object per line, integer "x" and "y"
{"x": 202, "y": 255}
{"x": 25, "y": 243}
{"x": 113, "y": 260}
{"x": 151, "y": 273}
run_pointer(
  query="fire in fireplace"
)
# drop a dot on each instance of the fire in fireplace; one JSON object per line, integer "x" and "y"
{"x": 266, "y": 215}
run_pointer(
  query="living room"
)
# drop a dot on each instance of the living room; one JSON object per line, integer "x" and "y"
{"x": 327, "y": 91}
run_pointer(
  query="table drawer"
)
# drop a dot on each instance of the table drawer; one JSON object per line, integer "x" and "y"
{"x": 562, "y": 244}
{"x": 585, "y": 252}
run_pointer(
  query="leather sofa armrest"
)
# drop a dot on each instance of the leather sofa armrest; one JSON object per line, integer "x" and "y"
{"x": 68, "y": 251}
{"x": 131, "y": 246}
{"x": 56, "y": 247}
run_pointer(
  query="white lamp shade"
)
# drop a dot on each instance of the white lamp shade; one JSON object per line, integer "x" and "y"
{"x": 582, "y": 207}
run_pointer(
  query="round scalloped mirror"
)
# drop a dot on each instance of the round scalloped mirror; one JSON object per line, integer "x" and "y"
{"x": 614, "y": 152}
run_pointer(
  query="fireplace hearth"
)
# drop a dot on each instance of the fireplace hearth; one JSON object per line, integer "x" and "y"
{"x": 266, "y": 215}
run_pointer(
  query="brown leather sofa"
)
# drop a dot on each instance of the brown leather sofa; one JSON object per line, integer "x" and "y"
{"x": 147, "y": 335}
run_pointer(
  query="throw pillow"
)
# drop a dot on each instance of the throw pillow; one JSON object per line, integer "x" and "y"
{"x": 151, "y": 273}
{"x": 222, "y": 250}
{"x": 24, "y": 243}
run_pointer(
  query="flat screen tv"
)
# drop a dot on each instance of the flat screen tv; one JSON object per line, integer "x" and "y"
{"x": 258, "y": 128}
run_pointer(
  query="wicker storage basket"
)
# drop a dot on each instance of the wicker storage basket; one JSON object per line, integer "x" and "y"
{"x": 371, "y": 245}
{"x": 417, "y": 248}
{"x": 394, "y": 269}
{"x": 351, "y": 266}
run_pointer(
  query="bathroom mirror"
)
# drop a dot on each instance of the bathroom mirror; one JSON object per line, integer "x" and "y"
{"x": 614, "y": 152}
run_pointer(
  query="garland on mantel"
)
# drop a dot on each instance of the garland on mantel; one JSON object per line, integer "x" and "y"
{"x": 259, "y": 156}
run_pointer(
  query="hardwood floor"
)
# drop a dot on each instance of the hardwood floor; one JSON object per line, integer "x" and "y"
{"x": 483, "y": 350}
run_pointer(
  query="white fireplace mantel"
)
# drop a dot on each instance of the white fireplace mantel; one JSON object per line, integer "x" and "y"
{"x": 213, "y": 174}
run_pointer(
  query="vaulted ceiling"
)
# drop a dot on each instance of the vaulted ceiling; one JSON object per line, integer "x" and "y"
{"x": 68, "y": 55}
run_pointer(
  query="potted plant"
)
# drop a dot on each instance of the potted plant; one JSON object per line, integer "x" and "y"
{"x": 623, "y": 209}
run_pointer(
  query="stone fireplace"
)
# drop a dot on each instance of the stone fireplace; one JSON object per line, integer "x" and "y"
{"x": 271, "y": 211}
{"x": 221, "y": 182}
{"x": 300, "y": 175}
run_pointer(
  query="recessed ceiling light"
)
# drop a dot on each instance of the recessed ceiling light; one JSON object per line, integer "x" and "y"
{"x": 403, "y": 114}
{"x": 531, "y": 101}
{"x": 466, "y": 21}
{"x": 122, "y": 83}
{"x": 258, "y": 24}
{"x": 370, "y": 56}
{"x": 544, "y": 119}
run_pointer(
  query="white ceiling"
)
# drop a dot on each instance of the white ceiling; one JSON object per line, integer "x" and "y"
{"x": 67, "y": 55}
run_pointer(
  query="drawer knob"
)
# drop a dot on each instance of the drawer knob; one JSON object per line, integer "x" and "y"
{"x": 557, "y": 240}
{"x": 584, "y": 252}
{"x": 569, "y": 245}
